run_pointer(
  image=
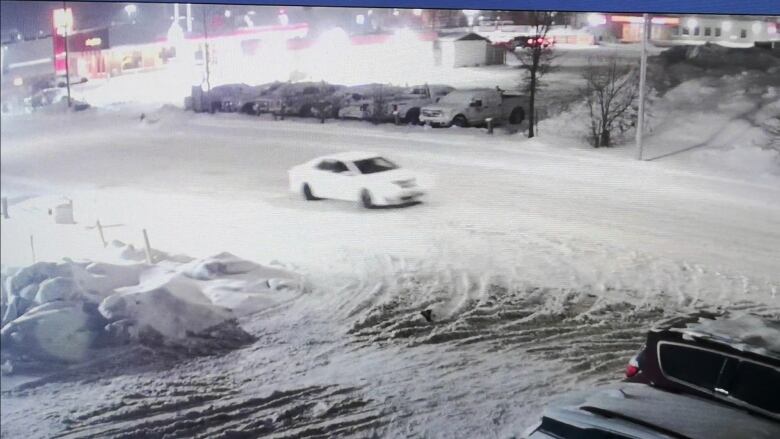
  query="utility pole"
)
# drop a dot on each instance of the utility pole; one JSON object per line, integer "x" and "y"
{"x": 640, "y": 126}
{"x": 67, "y": 60}
{"x": 189, "y": 18}
{"x": 206, "y": 48}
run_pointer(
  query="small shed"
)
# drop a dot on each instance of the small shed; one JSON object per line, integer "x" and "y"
{"x": 465, "y": 49}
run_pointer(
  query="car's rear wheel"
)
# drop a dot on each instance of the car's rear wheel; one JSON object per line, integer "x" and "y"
{"x": 365, "y": 199}
{"x": 517, "y": 116}
{"x": 307, "y": 193}
{"x": 460, "y": 121}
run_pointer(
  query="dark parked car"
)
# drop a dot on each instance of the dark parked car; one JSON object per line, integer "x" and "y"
{"x": 735, "y": 361}
{"x": 526, "y": 41}
{"x": 638, "y": 411}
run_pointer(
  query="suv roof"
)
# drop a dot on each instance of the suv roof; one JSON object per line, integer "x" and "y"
{"x": 745, "y": 333}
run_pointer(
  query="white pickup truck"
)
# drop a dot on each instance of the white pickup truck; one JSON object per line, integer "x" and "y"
{"x": 474, "y": 107}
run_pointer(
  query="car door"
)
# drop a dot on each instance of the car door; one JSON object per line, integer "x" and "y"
{"x": 322, "y": 184}
{"x": 343, "y": 182}
{"x": 492, "y": 106}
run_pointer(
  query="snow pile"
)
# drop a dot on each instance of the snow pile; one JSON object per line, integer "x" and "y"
{"x": 729, "y": 122}
{"x": 65, "y": 312}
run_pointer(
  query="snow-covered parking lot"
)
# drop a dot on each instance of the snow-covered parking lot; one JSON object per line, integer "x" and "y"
{"x": 543, "y": 264}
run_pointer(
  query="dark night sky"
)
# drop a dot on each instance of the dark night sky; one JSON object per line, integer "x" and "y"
{"x": 29, "y": 17}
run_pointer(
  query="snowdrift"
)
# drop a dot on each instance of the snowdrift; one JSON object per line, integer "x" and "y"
{"x": 724, "y": 122}
{"x": 66, "y": 312}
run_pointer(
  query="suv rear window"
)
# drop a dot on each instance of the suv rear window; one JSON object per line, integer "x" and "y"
{"x": 694, "y": 366}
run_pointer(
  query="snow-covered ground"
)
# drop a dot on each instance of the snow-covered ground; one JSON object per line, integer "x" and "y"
{"x": 543, "y": 261}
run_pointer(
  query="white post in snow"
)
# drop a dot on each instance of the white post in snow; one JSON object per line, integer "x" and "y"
{"x": 148, "y": 248}
{"x": 642, "y": 76}
{"x": 32, "y": 248}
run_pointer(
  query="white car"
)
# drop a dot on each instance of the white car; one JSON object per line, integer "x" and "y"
{"x": 366, "y": 178}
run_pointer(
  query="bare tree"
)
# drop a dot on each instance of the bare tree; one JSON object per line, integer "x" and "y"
{"x": 536, "y": 56}
{"x": 611, "y": 91}
{"x": 379, "y": 103}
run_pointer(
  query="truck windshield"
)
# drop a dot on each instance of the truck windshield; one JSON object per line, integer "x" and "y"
{"x": 457, "y": 98}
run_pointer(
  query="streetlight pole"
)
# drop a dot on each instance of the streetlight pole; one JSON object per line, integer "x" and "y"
{"x": 67, "y": 60}
{"x": 640, "y": 126}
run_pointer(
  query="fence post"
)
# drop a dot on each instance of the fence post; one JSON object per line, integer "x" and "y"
{"x": 100, "y": 231}
{"x": 489, "y": 121}
{"x": 5, "y": 207}
{"x": 148, "y": 248}
{"x": 32, "y": 248}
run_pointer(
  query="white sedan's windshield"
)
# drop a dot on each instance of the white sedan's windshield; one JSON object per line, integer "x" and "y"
{"x": 376, "y": 164}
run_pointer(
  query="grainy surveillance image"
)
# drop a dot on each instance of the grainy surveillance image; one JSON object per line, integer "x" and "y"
{"x": 252, "y": 220}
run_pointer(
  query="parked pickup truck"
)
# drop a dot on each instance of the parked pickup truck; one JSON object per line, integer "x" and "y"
{"x": 409, "y": 104}
{"x": 474, "y": 107}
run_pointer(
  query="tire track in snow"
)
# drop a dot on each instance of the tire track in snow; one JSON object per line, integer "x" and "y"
{"x": 315, "y": 411}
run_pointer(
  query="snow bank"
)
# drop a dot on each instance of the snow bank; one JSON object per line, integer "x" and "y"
{"x": 66, "y": 312}
{"x": 717, "y": 56}
{"x": 728, "y": 123}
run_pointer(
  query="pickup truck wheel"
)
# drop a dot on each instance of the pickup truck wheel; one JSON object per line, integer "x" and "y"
{"x": 365, "y": 199}
{"x": 517, "y": 116}
{"x": 307, "y": 194}
{"x": 413, "y": 116}
{"x": 460, "y": 121}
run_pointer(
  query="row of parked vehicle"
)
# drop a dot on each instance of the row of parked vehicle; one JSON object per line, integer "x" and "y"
{"x": 696, "y": 377}
{"x": 434, "y": 104}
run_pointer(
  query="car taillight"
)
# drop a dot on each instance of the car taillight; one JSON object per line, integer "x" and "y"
{"x": 632, "y": 368}
{"x": 530, "y": 41}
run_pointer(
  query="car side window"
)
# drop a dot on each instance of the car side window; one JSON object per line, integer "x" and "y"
{"x": 758, "y": 385}
{"x": 326, "y": 165}
{"x": 339, "y": 167}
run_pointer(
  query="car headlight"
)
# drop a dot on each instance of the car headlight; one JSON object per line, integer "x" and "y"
{"x": 405, "y": 183}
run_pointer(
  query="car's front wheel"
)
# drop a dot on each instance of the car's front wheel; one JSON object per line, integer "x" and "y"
{"x": 413, "y": 116}
{"x": 365, "y": 199}
{"x": 307, "y": 193}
